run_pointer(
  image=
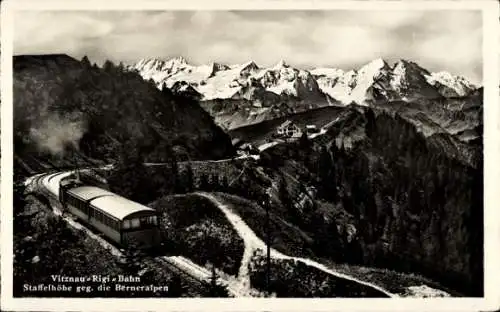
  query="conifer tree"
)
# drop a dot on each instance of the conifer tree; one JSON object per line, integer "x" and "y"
{"x": 85, "y": 62}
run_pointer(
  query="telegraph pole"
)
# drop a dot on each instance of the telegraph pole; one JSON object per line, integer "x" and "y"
{"x": 267, "y": 203}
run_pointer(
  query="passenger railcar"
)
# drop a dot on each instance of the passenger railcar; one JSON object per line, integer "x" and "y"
{"x": 119, "y": 219}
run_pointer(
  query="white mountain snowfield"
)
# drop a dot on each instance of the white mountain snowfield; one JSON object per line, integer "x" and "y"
{"x": 219, "y": 81}
{"x": 405, "y": 80}
{"x": 457, "y": 83}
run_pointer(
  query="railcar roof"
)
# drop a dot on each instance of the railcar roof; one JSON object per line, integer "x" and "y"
{"x": 89, "y": 192}
{"x": 109, "y": 202}
{"x": 118, "y": 206}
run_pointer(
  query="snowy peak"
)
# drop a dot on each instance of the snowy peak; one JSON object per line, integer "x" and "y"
{"x": 248, "y": 68}
{"x": 220, "y": 81}
{"x": 406, "y": 71}
{"x": 450, "y": 84}
{"x": 177, "y": 61}
{"x": 409, "y": 66}
{"x": 373, "y": 82}
{"x": 374, "y": 66}
{"x": 327, "y": 72}
{"x": 409, "y": 80}
{"x": 378, "y": 81}
{"x": 217, "y": 67}
{"x": 155, "y": 64}
{"x": 282, "y": 79}
{"x": 281, "y": 64}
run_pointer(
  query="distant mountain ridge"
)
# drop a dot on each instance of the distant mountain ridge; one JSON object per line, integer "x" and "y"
{"x": 378, "y": 81}
{"x": 242, "y": 94}
{"x": 372, "y": 82}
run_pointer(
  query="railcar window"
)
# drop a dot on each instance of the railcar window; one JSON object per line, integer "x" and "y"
{"x": 151, "y": 220}
{"x": 72, "y": 202}
{"x": 126, "y": 224}
{"x": 135, "y": 223}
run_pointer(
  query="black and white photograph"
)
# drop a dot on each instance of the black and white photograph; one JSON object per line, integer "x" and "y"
{"x": 247, "y": 152}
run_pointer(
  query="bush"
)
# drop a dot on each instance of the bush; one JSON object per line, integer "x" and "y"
{"x": 209, "y": 242}
{"x": 197, "y": 229}
{"x": 289, "y": 278}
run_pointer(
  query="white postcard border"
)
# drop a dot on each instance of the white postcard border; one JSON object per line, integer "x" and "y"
{"x": 491, "y": 157}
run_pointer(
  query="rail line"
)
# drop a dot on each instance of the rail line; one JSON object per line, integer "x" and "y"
{"x": 176, "y": 264}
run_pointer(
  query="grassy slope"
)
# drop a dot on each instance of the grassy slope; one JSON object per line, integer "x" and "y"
{"x": 289, "y": 239}
{"x": 392, "y": 281}
{"x": 295, "y": 279}
{"x": 285, "y": 236}
{"x": 200, "y": 231}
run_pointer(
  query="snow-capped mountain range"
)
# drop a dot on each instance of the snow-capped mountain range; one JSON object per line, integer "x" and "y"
{"x": 375, "y": 81}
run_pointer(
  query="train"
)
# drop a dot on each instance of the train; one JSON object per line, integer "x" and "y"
{"x": 119, "y": 219}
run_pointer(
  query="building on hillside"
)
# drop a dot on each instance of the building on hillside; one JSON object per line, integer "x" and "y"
{"x": 343, "y": 140}
{"x": 311, "y": 129}
{"x": 249, "y": 148}
{"x": 289, "y": 129}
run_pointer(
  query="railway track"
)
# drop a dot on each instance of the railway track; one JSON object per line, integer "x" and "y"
{"x": 188, "y": 276}
{"x": 176, "y": 264}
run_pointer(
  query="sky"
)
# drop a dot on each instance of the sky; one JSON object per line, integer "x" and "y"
{"x": 448, "y": 40}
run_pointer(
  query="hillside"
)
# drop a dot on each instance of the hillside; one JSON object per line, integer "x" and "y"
{"x": 451, "y": 126}
{"x": 260, "y": 133}
{"x": 415, "y": 208}
{"x": 62, "y": 105}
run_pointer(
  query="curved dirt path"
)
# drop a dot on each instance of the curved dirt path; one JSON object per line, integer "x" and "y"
{"x": 252, "y": 242}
